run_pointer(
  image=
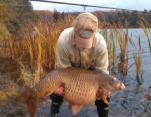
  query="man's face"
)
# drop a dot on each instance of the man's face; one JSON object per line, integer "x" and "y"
{"x": 84, "y": 38}
{"x": 86, "y": 34}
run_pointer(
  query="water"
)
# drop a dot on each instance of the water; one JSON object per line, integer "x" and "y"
{"x": 130, "y": 102}
{"x": 146, "y": 57}
{"x": 134, "y": 34}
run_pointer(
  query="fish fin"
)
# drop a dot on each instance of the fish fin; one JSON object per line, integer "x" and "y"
{"x": 31, "y": 106}
{"x": 104, "y": 98}
{"x": 26, "y": 98}
{"x": 75, "y": 109}
{"x": 105, "y": 101}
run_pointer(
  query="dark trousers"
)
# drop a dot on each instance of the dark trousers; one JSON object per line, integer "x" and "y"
{"x": 102, "y": 108}
{"x": 56, "y": 103}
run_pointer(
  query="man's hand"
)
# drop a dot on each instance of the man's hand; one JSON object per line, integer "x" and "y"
{"x": 106, "y": 93}
{"x": 59, "y": 91}
{"x": 102, "y": 93}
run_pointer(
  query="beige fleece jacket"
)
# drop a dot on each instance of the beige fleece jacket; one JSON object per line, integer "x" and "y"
{"x": 68, "y": 55}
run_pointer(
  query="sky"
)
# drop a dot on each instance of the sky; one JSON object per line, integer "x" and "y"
{"x": 125, "y": 4}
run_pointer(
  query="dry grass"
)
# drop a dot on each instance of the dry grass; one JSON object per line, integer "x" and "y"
{"x": 38, "y": 50}
{"x": 109, "y": 36}
{"x": 8, "y": 89}
{"x": 138, "y": 66}
{"x": 138, "y": 61}
{"x": 122, "y": 39}
{"x": 41, "y": 44}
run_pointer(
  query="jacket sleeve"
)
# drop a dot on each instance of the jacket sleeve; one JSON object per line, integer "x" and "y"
{"x": 102, "y": 61}
{"x": 62, "y": 59}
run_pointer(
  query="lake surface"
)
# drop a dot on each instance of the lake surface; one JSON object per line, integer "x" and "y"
{"x": 134, "y": 35}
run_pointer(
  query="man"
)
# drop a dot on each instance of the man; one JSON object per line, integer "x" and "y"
{"x": 81, "y": 46}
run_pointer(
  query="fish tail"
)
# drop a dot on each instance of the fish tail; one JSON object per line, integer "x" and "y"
{"x": 31, "y": 106}
{"x": 27, "y": 98}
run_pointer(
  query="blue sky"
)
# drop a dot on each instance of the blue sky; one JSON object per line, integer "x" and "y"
{"x": 126, "y": 4}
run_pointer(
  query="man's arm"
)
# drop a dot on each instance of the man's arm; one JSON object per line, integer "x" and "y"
{"x": 102, "y": 61}
{"x": 62, "y": 59}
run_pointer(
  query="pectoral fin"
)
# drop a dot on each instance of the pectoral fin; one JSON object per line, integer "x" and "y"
{"x": 31, "y": 106}
{"x": 104, "y": 98}
{"x": 74, "y": 109}
{"x": 100, "y": 95}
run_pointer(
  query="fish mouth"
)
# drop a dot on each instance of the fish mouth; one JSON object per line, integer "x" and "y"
{"x": 119, "y": 87}
{"x": 122, "y": 86}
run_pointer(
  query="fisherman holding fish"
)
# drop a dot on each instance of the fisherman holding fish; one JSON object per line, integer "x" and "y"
{"x": 81, "y": 46}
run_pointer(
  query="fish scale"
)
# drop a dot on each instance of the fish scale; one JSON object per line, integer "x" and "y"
{"x": 80, "y": 87}
{"x": 82, "y": 90}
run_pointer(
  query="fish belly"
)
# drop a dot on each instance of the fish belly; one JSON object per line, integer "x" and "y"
{"x": 81, "y": 92}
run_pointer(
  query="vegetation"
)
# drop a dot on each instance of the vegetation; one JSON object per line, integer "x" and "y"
{"x": 14, "y": 16}
{"x": 121, "y": 18}
{"x": 124, "y": 18}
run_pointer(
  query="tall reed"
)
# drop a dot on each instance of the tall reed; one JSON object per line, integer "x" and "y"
{"x": 138, "y": 66}
{"x": 40, "y": 45}
{"x": 122, "y": 38}
{"x": 147, "y": 31}
{"x": 110, "y": 40}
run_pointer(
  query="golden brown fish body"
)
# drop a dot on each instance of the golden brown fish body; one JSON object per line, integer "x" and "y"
{"x": 80, "y": 87}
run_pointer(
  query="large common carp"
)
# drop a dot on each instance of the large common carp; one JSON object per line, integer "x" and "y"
{"x": 80, "y": 88}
